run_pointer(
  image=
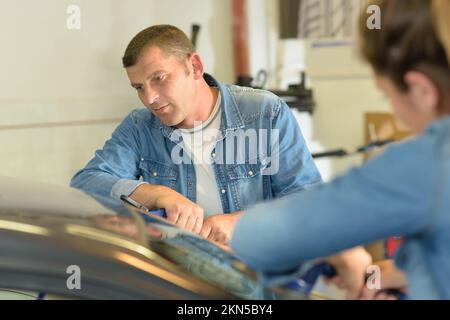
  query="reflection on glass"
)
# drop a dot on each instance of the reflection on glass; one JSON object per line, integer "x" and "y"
{"x": 198, "y": 256}
{"x": 203, "y": 258}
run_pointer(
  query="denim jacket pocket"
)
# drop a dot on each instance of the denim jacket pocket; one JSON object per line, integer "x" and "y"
{"x": 251, "y": 169}
{"x": 155, "y": 172}
{"x": 246, "y": 183}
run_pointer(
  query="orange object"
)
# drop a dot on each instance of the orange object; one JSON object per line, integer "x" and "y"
{"x": 240, "y": 38}
{"x": 392, "y": 245}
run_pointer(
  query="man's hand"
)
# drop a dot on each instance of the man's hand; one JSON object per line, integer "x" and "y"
{"x": 351, "y": 266}
{"x": 180, "y": 210}
{"x": 218, "y": 228}
{"x": 391, "y": 278}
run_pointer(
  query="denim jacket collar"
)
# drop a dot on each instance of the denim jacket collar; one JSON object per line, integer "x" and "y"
{"x": 231, "y": 116}
{"x": 439, "y": 124}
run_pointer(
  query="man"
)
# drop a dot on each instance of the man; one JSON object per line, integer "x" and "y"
{"x": 201, "y": 147}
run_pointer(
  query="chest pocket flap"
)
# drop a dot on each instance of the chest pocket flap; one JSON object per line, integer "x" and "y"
{"x": 248, "y": 170}
{"x": 158, "y": 170}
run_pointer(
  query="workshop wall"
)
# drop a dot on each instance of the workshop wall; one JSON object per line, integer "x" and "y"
{"x": 63, "y": 91}
{"x": 343, "y": 88}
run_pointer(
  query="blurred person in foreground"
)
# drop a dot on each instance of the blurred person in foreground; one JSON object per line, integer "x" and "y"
{"x": 403, "y": 191}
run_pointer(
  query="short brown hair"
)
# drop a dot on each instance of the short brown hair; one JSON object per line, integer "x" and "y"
{"x": 408, "y": 40}
{"x": 170, "y": 39}
{"x": 441, "y": 18}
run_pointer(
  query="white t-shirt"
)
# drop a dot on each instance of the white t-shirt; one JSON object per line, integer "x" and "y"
{"x": 199, "y": 142}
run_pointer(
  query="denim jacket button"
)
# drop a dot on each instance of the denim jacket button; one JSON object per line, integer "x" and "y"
{"x": 223, "y": 191}
{"x": 213, "y": 155}
{"x": 155, "y": 174}
{"x": 250, "y": 173}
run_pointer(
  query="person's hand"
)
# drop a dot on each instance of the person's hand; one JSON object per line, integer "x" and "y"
{"x": 391, "y": 278}
{"x": 351, "y": 266}
{"x": 218, "y": 228}
{"x": 179, "y": 210}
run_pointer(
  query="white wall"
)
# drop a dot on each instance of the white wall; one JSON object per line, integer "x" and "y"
{"x": 62, "y": 92}
{"x": 338, "y": 121}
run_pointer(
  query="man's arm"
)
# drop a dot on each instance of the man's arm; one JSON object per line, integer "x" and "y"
{"x": 367, "y": 204}
{"x": 114, "y": 171}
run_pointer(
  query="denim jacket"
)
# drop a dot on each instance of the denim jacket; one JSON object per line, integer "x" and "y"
{"x": 404, "y": 191}
{"x": 142, "y": 150}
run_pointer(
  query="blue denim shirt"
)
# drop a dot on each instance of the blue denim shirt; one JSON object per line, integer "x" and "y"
{"x": 141, "y": 150}
{"x": 404, "y": 191}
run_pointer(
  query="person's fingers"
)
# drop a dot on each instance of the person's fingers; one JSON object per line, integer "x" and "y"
{"x": 226, "y": 239}
{"x": 172, "y": 215}
{"x": 206, "y": 230}
{"x": 222, "y": 246}
{"x": 212, "y": 234}
{"x": 368, "y": 294}
{"x": 198, "y": 225}
{"x": 354, "y": 291}
{"x": 220, "y": 237}
{"x": 339, "y": 282}
{"x": 182, "y": 220}
{"x": 334, "y": 280}
{"x": 199, "y": 216}
{"x": 153, "y": 232}
{"x": 357, "y": 287}
{"x": 382, "y": 296}
{"x": 190, "y": 223}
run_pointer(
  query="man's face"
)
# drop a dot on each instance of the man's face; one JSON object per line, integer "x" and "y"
{"x": 165, "y": 86}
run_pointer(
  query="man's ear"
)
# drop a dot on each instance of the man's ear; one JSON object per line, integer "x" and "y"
{"x": 197, "y": 66}
{"x": 422, "y": 92}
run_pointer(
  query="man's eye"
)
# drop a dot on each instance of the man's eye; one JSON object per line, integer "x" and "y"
{"x": 159, "y": 77}
{"x": 138, "y": 88}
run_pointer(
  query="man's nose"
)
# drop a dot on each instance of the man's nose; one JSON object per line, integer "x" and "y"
{"x": 150, "y": 97}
